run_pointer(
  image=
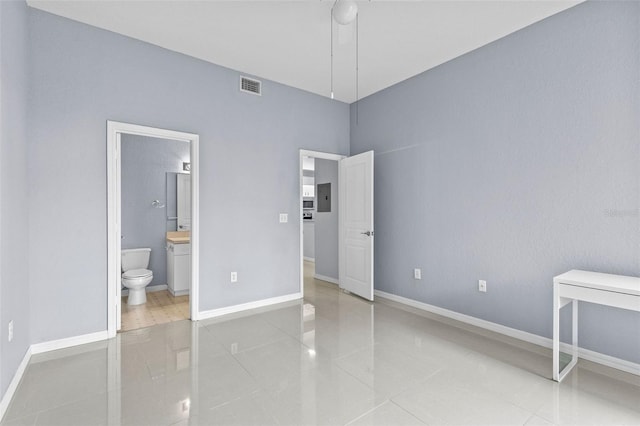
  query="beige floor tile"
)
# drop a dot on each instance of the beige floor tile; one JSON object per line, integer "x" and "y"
{"x": 161, "y": 307}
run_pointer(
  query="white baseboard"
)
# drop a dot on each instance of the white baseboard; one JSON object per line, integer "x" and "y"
{"x": 325, "y": 278}
{"x": 246, "y": 306}
{"x": 53, "y": 345}
{"x": 178, "y": 293}
{"x": 125, "y": 292}
{"x": 11, "y": 390}
{"x": 597, "y": 357}
{"x": 309, "y": 259}
{"x": 603, "y": 359}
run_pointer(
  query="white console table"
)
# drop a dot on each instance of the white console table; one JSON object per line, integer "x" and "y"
{"x": 604, "y": 289}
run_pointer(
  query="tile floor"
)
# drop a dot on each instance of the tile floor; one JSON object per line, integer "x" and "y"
{"x": 331, "y": 360}
{"x": 161, "y": 307}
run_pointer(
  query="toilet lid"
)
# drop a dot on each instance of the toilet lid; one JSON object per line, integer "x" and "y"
{"x": 137, "y": 273}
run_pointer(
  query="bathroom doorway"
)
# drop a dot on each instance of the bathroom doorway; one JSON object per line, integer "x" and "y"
{"x": 153, "y": 212}
{"x": 155, "y": 231}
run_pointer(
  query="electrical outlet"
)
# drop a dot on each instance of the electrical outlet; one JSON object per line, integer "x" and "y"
{"x": 482, "y": 286}
{"x": 10, "y": 331}
{"x": 284, "y": 218}
{"x": 417, "y": 274}
{"x": 234, "y": 277}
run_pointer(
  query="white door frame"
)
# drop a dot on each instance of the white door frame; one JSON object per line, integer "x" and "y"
{"x": 323, "y": 156}
{"x": 114, "y": 162}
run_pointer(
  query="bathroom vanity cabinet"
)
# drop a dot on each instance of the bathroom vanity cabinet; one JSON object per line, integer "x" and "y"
{"x": 178, "y": 268}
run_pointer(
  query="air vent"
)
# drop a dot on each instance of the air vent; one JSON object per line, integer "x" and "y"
{"x": 249, "y": 85}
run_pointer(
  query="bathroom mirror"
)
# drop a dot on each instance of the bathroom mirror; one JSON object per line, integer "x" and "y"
{"x": 183, "y": 201}
{"x": 178, "y": 201}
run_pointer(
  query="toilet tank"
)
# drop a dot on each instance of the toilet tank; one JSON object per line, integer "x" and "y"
{"x": 135, "y": 259}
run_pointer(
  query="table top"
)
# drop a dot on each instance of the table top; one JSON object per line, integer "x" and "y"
{"x": 600, "y": 281}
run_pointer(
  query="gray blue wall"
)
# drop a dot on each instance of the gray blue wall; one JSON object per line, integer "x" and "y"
{"x": 14, "y": 188}
{"x": 326, "y": 238}
{"x": 145, "y": 164}
{"x": 514, "y": 163}
{"x": 249, "y": 155}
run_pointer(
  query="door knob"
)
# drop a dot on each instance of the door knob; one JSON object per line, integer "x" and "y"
{"x": 368, "y": 233}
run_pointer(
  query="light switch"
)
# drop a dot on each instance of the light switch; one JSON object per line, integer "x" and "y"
{"x": 284, "y": 218}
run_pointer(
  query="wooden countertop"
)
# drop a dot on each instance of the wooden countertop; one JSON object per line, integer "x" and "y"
{"x": 179, "y": 237}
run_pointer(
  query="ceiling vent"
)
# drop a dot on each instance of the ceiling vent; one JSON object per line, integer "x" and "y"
{"x": 249, "y": 85}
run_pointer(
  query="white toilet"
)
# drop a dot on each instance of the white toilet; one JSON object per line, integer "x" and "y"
{"x": 135, "y": 275}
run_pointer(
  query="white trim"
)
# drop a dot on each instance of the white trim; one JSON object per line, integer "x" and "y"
{"x": 52, "y": 345}
{"x": 155, "y": 288}
{"x": 589, "y": 355}
{"x": 314, "y": 154}
{"x": 113, "y": 230}
{"x": 194, "y": 290}
{"x": 39, "y": 348}
{"x": 309, "y": 259}
{"x": 13, "y": 386}
{"x": 606, "y": 360}
{"x": 151, "y": 289}
{"x": 179, "y": 292}
{"x": 4, "y": 404}
{"x": 487, "y": 325}
{"x": 321, "y": 155}
{"x": 251, "y": 305}
{"x": 327, "y": 279}
{"x": 114, "y": 130}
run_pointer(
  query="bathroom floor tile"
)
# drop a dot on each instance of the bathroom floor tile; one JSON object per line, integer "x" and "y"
{"x": 161, "y": 307}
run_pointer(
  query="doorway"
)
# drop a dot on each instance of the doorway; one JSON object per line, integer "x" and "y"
{"x": 116, "y": 132}
{"x": 320, "y": 217}
{"x": 341, "y": 202}
{"x": 156, "y": 213}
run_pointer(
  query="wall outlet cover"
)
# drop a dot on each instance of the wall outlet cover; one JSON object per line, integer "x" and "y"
{"x": 417, "y": 274}
{"x": 234, "y": 277}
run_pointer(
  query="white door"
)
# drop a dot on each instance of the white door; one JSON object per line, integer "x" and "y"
{"x": 356, "y": 224}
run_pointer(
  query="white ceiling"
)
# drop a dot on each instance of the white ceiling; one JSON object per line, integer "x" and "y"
{"x": 289, "y": 41}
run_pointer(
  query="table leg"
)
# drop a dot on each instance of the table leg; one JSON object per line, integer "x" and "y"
{"x": 574, "y": 331}
{"x": 556, "y": 333}
{"x": 559, "y": 374}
